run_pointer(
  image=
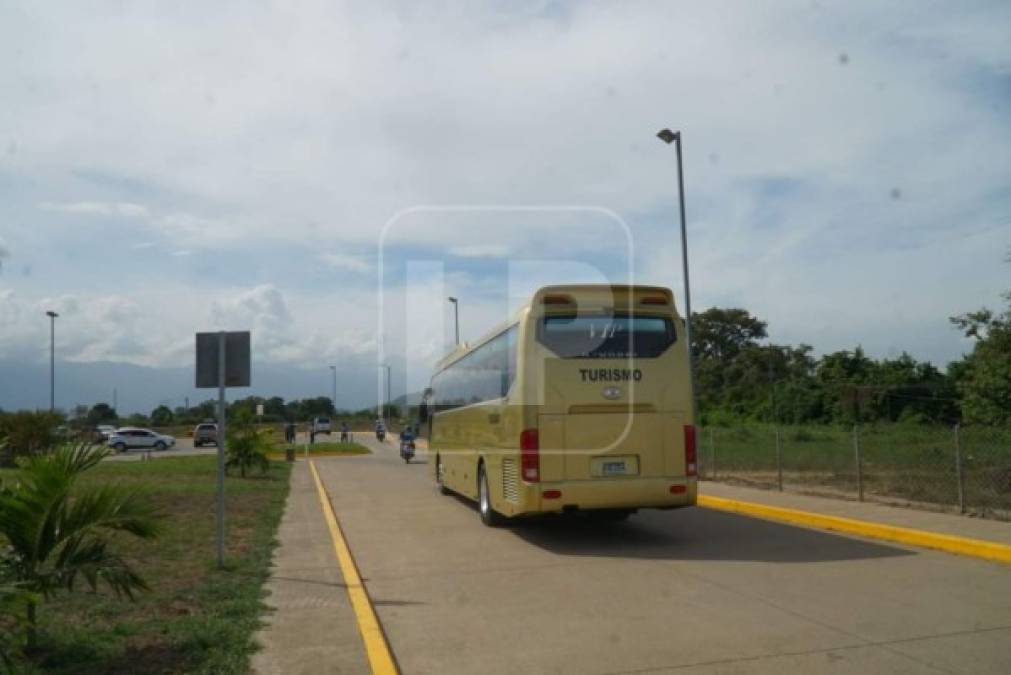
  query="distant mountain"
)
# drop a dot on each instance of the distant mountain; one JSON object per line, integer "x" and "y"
{"x": 414, "y": 398}
{"x": 141, "y": 388}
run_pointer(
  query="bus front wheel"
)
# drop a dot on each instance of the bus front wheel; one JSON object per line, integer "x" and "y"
{"x": 488, "y": 515}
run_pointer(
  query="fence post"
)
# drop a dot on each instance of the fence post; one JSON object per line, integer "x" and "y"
{"x": 959, "y": 472}
{"x": 779, "y": 462}
{"x": 712, "y": 452}
{"x": 859, "y": 462}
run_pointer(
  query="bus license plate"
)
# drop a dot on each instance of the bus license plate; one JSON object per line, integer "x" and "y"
{"x": 613, "y": 468}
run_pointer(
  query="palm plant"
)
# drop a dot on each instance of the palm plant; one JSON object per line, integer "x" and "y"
{"x": 56, "y": 534}
{"x": 246, "y": 445}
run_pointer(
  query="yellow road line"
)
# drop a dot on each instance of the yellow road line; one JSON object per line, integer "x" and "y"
{"x": 977, "y": 548}
{"x": 378, "y": 652}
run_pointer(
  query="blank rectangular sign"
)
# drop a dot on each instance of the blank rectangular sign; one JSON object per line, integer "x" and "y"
{"x": 237, "y": 368}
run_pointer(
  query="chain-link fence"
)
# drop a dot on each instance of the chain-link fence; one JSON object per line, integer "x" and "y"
{"x": 964, "y": 468}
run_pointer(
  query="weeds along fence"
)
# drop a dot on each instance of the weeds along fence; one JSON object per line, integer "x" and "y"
{"x": 965, "y": 468}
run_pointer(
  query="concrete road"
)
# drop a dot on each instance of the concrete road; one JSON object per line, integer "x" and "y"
{"x": 690, "y": 591}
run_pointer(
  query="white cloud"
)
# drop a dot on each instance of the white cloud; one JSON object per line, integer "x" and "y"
{"x": 155, "y": 327}
{"x": 201, "y": 146}
{"x": 480, "y": 251}
{"x": 343, "y": 261}
{"x": 124, "y": 209}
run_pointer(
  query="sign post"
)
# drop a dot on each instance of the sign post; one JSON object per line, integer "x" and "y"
{"x": 221, "y": 450}
{"x": 222, "y": 361}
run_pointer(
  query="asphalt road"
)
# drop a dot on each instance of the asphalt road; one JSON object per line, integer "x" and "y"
{"x": 689, "y": 591}
{"x": 183, "y": 446}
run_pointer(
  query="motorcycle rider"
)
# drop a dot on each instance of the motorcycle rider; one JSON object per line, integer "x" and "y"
{"x": 407, "y": 442}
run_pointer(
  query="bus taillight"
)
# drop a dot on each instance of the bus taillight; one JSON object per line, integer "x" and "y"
{"x": 530, "y": 455}
{"x": 691, "y": 456}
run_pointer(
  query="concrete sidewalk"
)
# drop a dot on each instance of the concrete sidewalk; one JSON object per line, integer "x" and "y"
{"x": 312, "y": 627}
{"x": 930, "y": 521}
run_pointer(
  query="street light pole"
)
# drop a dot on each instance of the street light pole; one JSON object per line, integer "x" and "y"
{"x": 456, "y": 318}
{"x": 52, "y": 360}
{"x": 668, "y": 136}
{"x": 334, "y": 370}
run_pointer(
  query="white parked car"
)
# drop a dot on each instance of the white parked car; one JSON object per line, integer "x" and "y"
{"x": 132, "y": 437}
{"x": 321, "y": 425}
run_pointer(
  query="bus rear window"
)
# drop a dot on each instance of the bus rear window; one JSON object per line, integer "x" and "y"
{"x": 606, "y": 337}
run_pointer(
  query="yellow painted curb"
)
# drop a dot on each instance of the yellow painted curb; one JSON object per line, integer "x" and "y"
{"x": 977, "y": 548}
{"x": 376, "y": 648}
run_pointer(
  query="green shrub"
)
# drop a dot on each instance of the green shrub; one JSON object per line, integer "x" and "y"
{"x": 28, "y": 433}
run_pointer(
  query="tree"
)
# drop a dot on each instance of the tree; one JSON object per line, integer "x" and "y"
{"x": 102, "y": 413}
{"x": 161, "y": 416}
{"x": 719, "y": 336}
{"x": 137, "y": 420}
{"x": 27, "y": 433}
{"x": 274, "y": 407}
{"x": 984, "y": 378}
{"x": 247, "y": 446}
{"x": 206, "y": 410}
{"x": 912, "y": 390}
{"x": 307, "y": 408}
{"x": 57, "y": 533}
{"x": 721, "y": 333}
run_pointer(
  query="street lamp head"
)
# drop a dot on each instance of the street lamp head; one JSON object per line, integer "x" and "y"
{"x": 668, "y": 136}
{"x": 51, "y": 314}
{"x": 452, "y": 299}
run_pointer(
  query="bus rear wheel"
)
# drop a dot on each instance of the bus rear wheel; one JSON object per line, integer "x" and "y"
{"x": 489, "y": 516}
{"x": 440, "y": 476}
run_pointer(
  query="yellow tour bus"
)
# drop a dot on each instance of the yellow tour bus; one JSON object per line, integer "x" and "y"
{"x": 581, "y": 403}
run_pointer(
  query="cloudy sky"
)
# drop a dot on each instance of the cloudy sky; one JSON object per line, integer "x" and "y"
{"x": 167, "y": 168}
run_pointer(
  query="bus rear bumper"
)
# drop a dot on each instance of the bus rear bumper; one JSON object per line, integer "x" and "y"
{"x": 636, "y": 493}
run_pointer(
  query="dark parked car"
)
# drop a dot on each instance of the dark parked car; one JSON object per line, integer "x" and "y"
{"x": 205, "y": 434}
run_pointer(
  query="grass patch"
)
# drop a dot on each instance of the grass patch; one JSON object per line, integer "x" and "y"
{"x": 898, "y": 461}
{"x": 195, "y": 618}
{"x": 324, "y": 450}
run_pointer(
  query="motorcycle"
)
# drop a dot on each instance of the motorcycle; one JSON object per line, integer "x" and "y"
{"x": 380, "y": 435}
{"x": 407, "y": 451}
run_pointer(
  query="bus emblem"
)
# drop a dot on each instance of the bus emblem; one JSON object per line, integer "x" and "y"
{"x": 611, "y": 393}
